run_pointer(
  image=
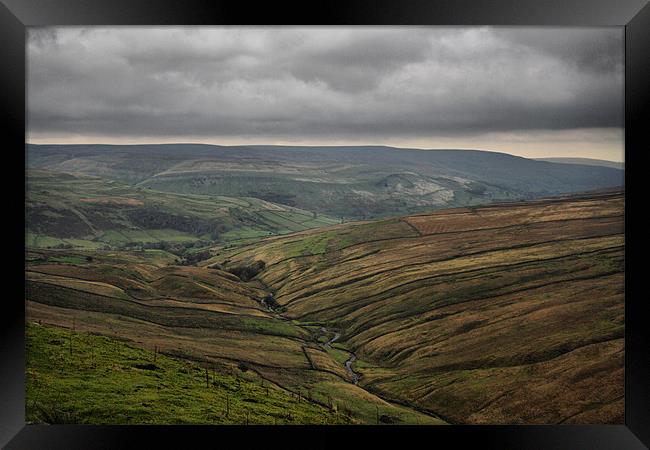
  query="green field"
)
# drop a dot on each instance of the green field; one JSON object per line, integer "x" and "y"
{"x": 75, "y": 377}
{"x": 74, "y": 211}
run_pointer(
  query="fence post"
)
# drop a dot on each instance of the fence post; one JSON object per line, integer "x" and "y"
{"x": 71, "y": 330}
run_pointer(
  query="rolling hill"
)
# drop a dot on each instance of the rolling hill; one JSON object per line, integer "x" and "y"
{"x": 206, "y": 316}
{"x": 90, "y": 212}
{"x": 497, "y": 314}
{"x": 586, "y": 162}
{"x": 509, "y": 313}
{"x": 343, "y": 182}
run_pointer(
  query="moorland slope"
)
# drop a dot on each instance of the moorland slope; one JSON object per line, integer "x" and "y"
{"x": 499, "y": 314}
{"x": 344, "y": 182}
{"x": 509, "y": 313}
{"x": 195, "y": 314}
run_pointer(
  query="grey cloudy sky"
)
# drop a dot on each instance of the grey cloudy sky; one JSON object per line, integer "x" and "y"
{"x": 528, "y": 91}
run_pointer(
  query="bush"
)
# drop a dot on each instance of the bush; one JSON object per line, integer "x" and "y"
{"x": 193, "y": 258}
{"x": 385, "y": 418}
{"x": 271, "y": 302}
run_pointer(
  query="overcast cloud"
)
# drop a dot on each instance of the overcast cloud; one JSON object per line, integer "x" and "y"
{"x": 393, "y": 85}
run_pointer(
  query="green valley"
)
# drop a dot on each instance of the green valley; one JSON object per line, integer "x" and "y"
{"x": 298, "y": 225}
{"x": 508, "y": 313}
{"x": 78, "y": 211}
{"x": 349, "y": 182}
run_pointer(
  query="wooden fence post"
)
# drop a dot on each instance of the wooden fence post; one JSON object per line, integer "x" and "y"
{"x": 71, "y": 330}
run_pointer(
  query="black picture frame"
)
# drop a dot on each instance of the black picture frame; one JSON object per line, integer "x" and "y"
{"x": 16, "y": 15}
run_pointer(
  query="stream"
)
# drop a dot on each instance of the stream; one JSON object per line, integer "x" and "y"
{"x": 331, "y": 341}
{"x": 348, "y": 364}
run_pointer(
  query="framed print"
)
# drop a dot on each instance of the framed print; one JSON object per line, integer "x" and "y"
{"x": 370, "y": 222}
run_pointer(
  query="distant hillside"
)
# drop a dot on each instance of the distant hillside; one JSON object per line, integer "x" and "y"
{"x": 64, "y": 210}
{"x": 347, "y": 182}
{"x": 586, "y": 162}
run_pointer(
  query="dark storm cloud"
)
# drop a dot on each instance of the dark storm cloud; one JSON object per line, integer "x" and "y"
{"x": 319, "y": 82}
{"x": 590, "y": 49}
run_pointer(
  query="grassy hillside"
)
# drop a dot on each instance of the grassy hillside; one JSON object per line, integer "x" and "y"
{"x": 343, "y": 182}
{"x": 87, "y": 212}
{"x": 76, "y": 377}
{"x": 510, "y": 313}
{"x": 501, "y": 314}
{"x": 198, "y": 314}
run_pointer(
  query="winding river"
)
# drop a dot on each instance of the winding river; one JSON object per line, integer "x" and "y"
{"x": 348, "y": 364}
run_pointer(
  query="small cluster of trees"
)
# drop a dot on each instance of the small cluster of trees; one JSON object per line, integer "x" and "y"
{"x": 150, "y": 218}
{"x": 271, "y": 302}
{"x": 60, "y": 246}
{"x": 185, "y": 251}
{"x": 194, "y": 257}
{"x": 246, "y": 273}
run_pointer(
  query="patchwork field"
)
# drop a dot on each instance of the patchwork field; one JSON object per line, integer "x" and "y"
{"x": 351, "y": 182}
{"x": 510, "y": 313}
{"x": 78, "y": 211}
